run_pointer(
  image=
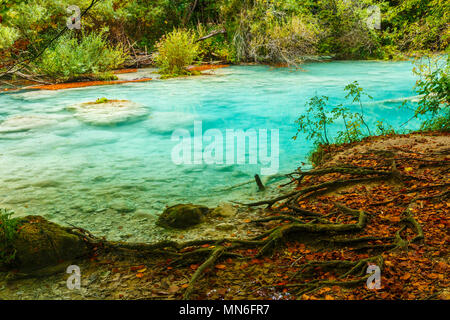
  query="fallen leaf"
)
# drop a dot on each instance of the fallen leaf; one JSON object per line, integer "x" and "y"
{"x": 174, "y": 288}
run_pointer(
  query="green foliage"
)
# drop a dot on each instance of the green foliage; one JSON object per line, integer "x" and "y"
{"x": 147, "y": 21}
{"x": 286, "y": 40}
{"x": 352, "y": 125}
{"x": 434, "y": 88}
{"x": 356, "y": 93}
{"x": 440, "y": 122}
{"x": 72, "y": 59}
{"x": 412, "y": 25}
{"x": 433, "y": 84}
{"x": 214, "y": 48}
{"x": 319, "y": 117}
{"x": 5, "y": 5}
{"x": 268, "y": 31}
{"x": 101, "y": 100}
{"x": 8, "y": 36}
{"x": 314, "y": 122}
{"x": 8, "y": 231}
{"x": 176, "y": 51}
{"x": 384, "y": 129}
{"x": 346, "y": 33}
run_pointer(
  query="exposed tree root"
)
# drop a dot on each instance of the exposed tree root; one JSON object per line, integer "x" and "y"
{"x": 215, "y": 255}
{"x": 327, "y": 186}
{"x": 355, "y": 268}
{"x": 299, "y": 225}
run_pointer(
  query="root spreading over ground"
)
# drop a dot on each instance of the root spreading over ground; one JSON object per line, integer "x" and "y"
{"x": 383, "y": 202}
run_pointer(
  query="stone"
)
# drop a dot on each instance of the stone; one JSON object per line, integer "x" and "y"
{"x": 23, "y": 123}
{"x": 40, "y": 243}
{"x": 224, "y": 210}
{"x": 122, "y": 206}
{"x": 143, "y": 214}
{"x": 182, "y": 216}
{"x": 225, "y": 226}
{"x": 110, "y": 112}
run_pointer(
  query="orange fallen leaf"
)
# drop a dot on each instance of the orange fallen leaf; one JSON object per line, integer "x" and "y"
{"x": 136, "y": 268}
{"x": 173, "y": 288}
{"x": 221, "y": 266}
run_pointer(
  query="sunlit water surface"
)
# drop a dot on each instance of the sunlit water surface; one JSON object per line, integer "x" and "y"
{"x": 103, "y": 177}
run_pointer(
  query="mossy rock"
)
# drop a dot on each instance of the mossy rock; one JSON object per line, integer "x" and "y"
{"x": 182, "y": 216}
{"x": 40, "y": 243}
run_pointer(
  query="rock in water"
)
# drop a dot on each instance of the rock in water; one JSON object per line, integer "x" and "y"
{"x": 182, "y": 216}
{"x": 122, "y": 206}
{"x": 40, "y": 243}
{"x": 109, "y": 112}
{"x": 25, "y": 122}
{"x": 224, "y": 210}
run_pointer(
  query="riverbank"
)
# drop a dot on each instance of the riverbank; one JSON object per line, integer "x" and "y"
{"x": 123, "y": 76}
{"x": 399, "y": 183}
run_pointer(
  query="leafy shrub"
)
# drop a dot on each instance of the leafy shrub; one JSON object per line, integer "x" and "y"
{"x": 284, "y": 41}
{"x": 433, "y": 84}
{"x": 346, "y": 33}
{"x": 412, "y": 25}
{"x": 7, "y": 37}
{"x": 271, "y": 31}
{"x": 384, "y": 129}
{"x": 214, "y": 48}
{"x": 176, "y": 51}
{"x": 434, "y": 88}
{"x": 8, "y": 231}
{"x": 356, "y": 92}
{"x": 319, "y": 117}
{"x": 314, "y": 122}
{"x": 438, "y": 123}
{"x": 352, "y": 125}
{"x": 72, "y": 59}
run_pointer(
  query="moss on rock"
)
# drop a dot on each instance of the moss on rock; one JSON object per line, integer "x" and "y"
{"x": 40, "y": 243}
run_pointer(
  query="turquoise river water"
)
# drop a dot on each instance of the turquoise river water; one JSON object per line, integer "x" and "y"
{"x": 99, "y": 176}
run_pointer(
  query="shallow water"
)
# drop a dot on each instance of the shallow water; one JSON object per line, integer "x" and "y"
{"x": 102, "y": 177}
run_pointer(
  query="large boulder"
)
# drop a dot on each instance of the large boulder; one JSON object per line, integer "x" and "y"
{"x": 182, "y": 216}
{"x": 40, "y": 243}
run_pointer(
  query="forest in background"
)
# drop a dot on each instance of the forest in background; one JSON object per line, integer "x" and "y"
{"x": 38, "y": 43}
{"x": 116, "y": 33}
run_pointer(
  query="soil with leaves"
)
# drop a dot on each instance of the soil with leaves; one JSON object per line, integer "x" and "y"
{"x": 383, "y": 201}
